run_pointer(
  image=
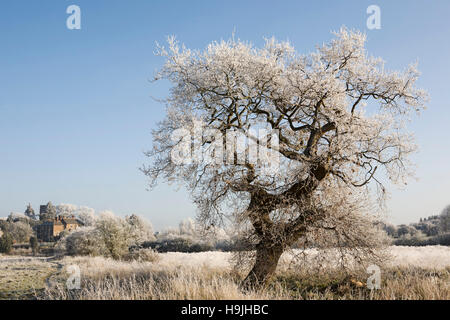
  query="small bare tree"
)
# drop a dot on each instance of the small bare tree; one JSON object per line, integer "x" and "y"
{"x": 328, "y": 148}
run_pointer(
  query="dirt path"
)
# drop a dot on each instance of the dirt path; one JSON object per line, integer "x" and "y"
{"x": 24, "y": 259}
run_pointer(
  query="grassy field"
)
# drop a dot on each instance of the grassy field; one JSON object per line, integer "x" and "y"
{"x": 23, "y": 277}
{"x": 412, "y": 273}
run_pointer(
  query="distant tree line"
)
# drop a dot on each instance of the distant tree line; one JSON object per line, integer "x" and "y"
{"x": 122, "y": 238}
{"x": 433, "y": 230}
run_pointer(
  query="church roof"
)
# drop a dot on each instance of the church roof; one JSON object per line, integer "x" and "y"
{"x": 64, "y": 220}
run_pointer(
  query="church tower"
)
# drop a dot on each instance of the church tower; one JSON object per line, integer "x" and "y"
{"x": 29, "y": 212}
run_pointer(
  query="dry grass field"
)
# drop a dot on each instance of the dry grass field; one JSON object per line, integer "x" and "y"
{"x": 23, "y": 277}
{"x": 411, "y": 273}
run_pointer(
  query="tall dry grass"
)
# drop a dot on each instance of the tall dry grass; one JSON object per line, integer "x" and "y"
{"x": 412, "y": 273}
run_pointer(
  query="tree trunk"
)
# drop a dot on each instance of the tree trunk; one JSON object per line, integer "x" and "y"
{"x": 267, "y": 256}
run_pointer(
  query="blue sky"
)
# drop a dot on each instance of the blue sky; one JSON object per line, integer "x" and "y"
{"x": 76, "y": 110}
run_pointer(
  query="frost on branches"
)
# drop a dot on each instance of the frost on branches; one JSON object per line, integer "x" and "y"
{"x": 340, "y": 119}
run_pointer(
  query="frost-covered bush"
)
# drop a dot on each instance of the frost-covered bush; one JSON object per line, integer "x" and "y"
{"x": 16, "y": 216}
{"x": 185, "y": 244}
{"x": 440, "y": 239}
{"x": 390, "y": 229}
{"x": 170, "y": 245}
{"x": 444, "y": 220}
{"x": 84, "y": 241}
{"x": 228, "y": 245}
{"x": 19, "y": 231}
{"x": 6, "y": 242}
{"x": 143, "y": 255}
{"x": 191, "y": 237}
{"x": 404, "y": 230}
{"x": 109, "y": 235}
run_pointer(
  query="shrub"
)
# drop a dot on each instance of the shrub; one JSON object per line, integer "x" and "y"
{"x": 441, "y": 239}
{"x": 201, "y": 247}
{"x": 444, "y": 220}
{"x": 178, "y": 245}
{"x": 6, "y": 243}
{"x": 110, "y": 236}
{"x": 404, "y": 230}
{"x": 34, "y": 245}
{"x": 227, "y": 246}
{"x": 169, "y": 245}
{"x": 83, "y": 241}
{"x": 143, "y": 255}
{"x": 19, "y": 231}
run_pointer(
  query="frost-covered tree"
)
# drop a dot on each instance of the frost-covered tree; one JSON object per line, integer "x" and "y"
{"x": 49, "y": 214}
{"x": 114, "y": 233}
{"x": 338, "y": 116}
{"x": 19, "y": 231}
{"x": 29, "y": 212}
{"x": 66, "y": 210}
{"x": 189, "y": 230}
{"x": 16, "y": 216}
{"x": 117, "y": 234}
{"x": 445, "y": 220}
{"x": 141, "y": 230}
{"x": 188, "y": 227}
{"x": 86, "y": 215}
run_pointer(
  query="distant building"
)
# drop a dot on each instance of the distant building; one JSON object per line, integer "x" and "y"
{"x": 43, "y": 209}
{"x": 47, "y": 212}
{"x": 29, "y": 212}
{"x": 49, "y": 230}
